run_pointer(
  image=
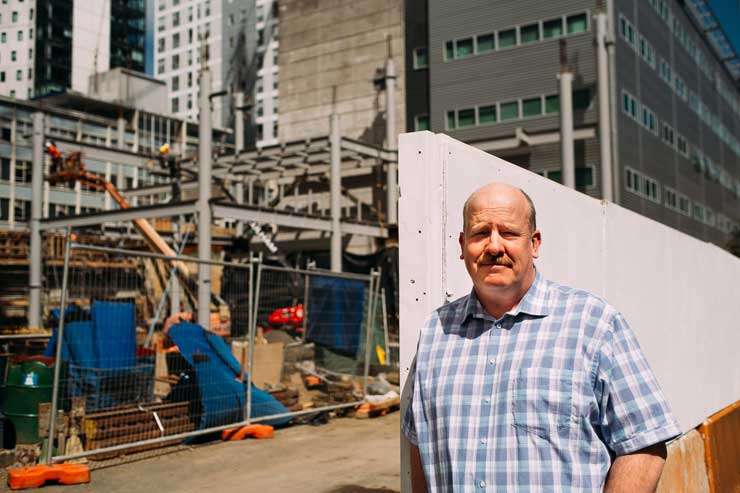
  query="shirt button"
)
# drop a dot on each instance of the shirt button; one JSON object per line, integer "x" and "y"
{"x": 487, "y": 400}
{"x": 498, "y": 325}
{"x": 483, "y": 441}
{"x": 490, "y": 361}
{"x": 482, "y": 484}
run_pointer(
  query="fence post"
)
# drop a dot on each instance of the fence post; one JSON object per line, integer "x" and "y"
{"x": 58, "y": 359}
{"x": 252, "y": 331}
{"x": 368, "y": 329}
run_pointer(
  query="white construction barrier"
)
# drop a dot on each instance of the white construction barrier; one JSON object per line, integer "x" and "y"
{"x": 680, "y": 295}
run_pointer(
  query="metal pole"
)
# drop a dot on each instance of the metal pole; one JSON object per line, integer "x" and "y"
{"x": 368, "y": 331}
{"x": 252, "y": 331}
{"x": 336, "y": 194}
{"x": 567, "y": 155}
{"x": 607, "y": 186}
{"x": 239, "y": 147}
{"x": 58, "y": 357}
{"x": 37, "y": 193}
{"x": 390, "y": 140}
{"x": 385, "y": 328}
{"x": 204, "y": 196}
{"x": 610, "y": 48}
{"x": 306, "y": 281}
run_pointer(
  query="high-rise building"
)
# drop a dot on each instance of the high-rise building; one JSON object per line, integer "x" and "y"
{"x": 491, "y": 72}
{"x": 241, "y": 40}
{"x": 49, "y": 46}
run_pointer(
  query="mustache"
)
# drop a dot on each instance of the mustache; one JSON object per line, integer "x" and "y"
{"x": 487, "y": 259}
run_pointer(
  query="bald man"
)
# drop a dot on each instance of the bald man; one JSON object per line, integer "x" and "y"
{"x": 525, "y": 385}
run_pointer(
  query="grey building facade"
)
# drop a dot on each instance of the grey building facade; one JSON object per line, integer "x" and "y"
{"x": 492, "y": 72}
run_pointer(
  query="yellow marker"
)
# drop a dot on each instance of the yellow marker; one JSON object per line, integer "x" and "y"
{"x": 165, "y": 149}
{"x": 380, "y": 353}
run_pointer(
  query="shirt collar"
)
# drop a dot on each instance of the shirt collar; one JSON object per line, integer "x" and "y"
{"x": 535, "y": 302}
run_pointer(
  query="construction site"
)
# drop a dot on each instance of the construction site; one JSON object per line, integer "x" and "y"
{"x": 176, "y": 287}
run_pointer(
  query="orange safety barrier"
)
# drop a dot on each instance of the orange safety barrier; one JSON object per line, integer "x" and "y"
{"x": 253, "y": 431}
{"x": 35, "y": 476}
{"x": 721, "y": 433}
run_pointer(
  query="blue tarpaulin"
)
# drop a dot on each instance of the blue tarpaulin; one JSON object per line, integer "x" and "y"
{"x": 222, "y": 391}
{"x": 335, "y": 313}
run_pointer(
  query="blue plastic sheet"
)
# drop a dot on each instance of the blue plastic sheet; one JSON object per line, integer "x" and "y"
{"x": 336, "y": 310}
{"x": 222, "y": 391}
{"x": 115, "y": 334}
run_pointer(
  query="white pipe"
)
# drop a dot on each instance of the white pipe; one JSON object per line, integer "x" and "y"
{"x": 567, "y": 154}
{"x": 607, "y": 187}
{"x": 204, "y": 197}
{"x": 239, "y": 146}
{"x": 610, "y": 48}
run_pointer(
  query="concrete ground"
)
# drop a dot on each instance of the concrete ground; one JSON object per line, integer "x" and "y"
{"x": 346, "y": 455}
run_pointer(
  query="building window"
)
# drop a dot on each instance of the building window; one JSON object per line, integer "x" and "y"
{"x": 464, "y": 48}
{"x": 532, "y": 107}
{"x": 13, "y": 56}
{"x": 421, "y": 58}
{"x": 552, "y": 28}
{"x": 421, "y": 122}
{"x": 160, "y": 66}
{"x": 552, "y": 104}
{"x": 176, "y": 19}
{"x": 509, "y": 111}
{"x": 175, "y": 62}
{"x": 530, "y": 33}
{"x": 3, "y": 37}
{"x": 626, "y": 30}
{"x": 485, "y": 43}
{"x": 449, "y": 50}
{"x": 629, "y": 105}
{"x": 670, "y": 199}
{"x": 466, "y": 118}
{"x": 18, "y": 75}
{"x": 682, "y": 145}
{"x": 581, "y": 99}
{"x": 175, "y": 105}
{"x": 2, "y": 76}
{"x": 487, "y": 114}
{"x": 667, "y": 134}
{"x": 14, "y": 16}
{"x": 161, "y": 44}
{"x": 175, "y": 40}
{"x": 584, "y": 178}
{"x": 20, "y": 35}
{"x": 176, "y": 83}
{"x": 507, "y": 38}
{"x": 451, "y": 121}
{"x": 12, "y": 93}
{"x": 577, "y": 23}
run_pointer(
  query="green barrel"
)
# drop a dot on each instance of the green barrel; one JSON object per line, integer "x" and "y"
{"x": 28, "y": 383}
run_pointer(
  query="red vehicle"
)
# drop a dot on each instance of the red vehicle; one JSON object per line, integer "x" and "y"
{"x": 290, "y": 317}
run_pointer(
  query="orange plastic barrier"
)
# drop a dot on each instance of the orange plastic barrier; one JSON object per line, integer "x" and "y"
{"x": 35, "y": 476}
{"x": 253, "y": 431}
{"x": 721, "y": 433}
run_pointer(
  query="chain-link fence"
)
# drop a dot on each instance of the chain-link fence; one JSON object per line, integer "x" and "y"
{"x": 133, "y": 370}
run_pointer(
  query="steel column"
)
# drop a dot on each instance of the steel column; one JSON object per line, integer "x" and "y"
{"x": 37, "y": 192}
{"x": 204, "y": 195}
{"x": 336, "y": 194}
{"x": 607, "y": 187}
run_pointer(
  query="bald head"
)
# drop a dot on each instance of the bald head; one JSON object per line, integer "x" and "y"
{"x": 505, "y": 191}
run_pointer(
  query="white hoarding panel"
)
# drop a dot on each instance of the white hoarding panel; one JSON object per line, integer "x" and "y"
{"x": 679, "y": 294}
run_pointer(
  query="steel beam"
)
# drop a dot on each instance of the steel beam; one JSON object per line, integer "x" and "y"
{"x": 120, "y": 215}
{"x": 245, "y": 213}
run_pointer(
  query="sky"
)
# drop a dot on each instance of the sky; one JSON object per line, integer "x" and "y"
{"x": 728, "y": 15}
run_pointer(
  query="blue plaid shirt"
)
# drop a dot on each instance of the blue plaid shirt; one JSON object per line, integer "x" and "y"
{"x": 540, "y": 400}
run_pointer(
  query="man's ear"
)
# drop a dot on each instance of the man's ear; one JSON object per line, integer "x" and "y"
{"x": 536, "y": 242}
{"x": 461, "y": 239}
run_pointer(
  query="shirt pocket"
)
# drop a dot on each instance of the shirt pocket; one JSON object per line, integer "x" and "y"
{"x": 542, "y": 400}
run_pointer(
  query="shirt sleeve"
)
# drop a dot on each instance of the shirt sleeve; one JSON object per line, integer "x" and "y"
{"x": 408, "y": 428}
{"x": 634, "y": 413}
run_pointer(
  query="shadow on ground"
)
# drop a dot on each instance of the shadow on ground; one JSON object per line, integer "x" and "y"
{"x": 353, "y": 488}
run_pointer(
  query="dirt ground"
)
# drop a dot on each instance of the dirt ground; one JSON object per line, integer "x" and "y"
{"x": 346, "y": 455}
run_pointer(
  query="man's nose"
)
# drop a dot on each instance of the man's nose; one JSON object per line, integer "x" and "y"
{"x": 495, "y": 245}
